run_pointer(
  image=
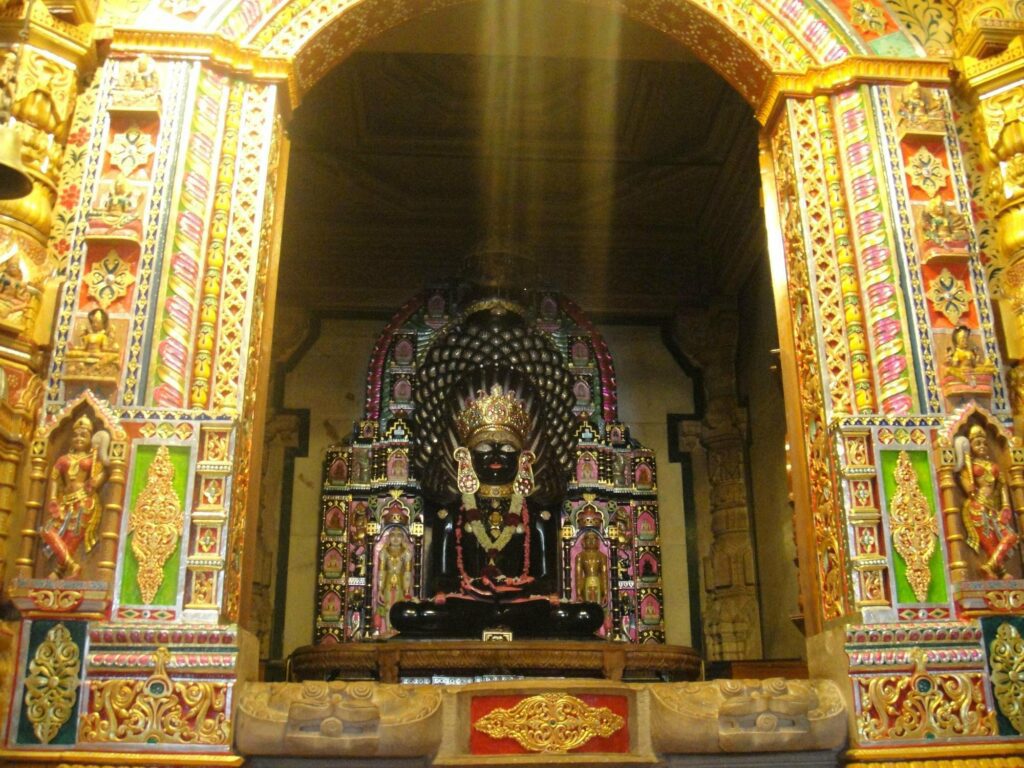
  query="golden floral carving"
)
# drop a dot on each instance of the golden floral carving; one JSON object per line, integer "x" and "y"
{"x": 949, "y": 295}
{"x": 914, "y": 529}
{"x": 130, "y": 149}
{"x": 866, "y": 17}
{"x": 109, "y": 279}
{"x": 51, "y": 686}
{"x": 156, "y": 710}
{"x": 927, "y": 172}
{"x": 156, "y": 524}
{"x": 924, "y": 705}
{"x": 1005, "y": 599}
{"x": 56, "y": 599}
{"x": 550, "y": 722}
{"x": 1007, "y": 658}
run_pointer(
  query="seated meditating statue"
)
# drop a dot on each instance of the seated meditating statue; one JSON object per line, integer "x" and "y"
{"x": 492, "y": 454}
{"x": 489, "y": 540}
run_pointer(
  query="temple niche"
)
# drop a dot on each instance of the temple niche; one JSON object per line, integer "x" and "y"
{"x": 489, "y": 483}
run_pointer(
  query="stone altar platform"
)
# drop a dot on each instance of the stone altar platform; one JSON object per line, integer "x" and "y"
{"x": 542, "y": 722}
{"x": 393, "y": 661}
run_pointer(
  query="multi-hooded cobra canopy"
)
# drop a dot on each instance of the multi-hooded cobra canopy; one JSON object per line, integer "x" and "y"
{"x": 493, "y": 345}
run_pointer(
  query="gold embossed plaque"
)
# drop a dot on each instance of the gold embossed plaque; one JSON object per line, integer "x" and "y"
{"x": 553, "y": 723}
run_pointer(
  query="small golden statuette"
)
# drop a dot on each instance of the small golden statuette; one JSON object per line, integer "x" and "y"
{"x": 550, "y": 722}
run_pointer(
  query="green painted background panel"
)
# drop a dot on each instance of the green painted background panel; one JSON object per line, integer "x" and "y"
{"x": 922, "y": 467}
{"x": 168, "y": 593}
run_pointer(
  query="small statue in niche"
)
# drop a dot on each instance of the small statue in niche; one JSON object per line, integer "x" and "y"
{"x": 394, "y": 577}
{"x": 120, "y": 198}
{"x": 986, "y": 513}
{"x": 139, "y": 74}
{"x": 97, "y": 354}
{"x": 138, "y": 84}
{"x": 942, "y": 224}
{"x": 967, "y": 371}
{"x": 117, "y": 211}
{"x": 591, "y": 570}
{"x": 16, "y": 295}
{"x": 918, "y": 109}
{"x": 73, "y": 506}
{"x": 8, "y": 67}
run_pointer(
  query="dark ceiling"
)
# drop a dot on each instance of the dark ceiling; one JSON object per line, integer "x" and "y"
{"x": 627, "y": 167}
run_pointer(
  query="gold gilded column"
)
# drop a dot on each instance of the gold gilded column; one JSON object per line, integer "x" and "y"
{"x": 990, "y": 53}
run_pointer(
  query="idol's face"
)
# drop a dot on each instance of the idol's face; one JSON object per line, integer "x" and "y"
{"x": 495, "y": 461}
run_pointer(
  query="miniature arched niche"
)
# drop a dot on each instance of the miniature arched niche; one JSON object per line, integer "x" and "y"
{"x": 76, "y": 496}
{"x": 981, "y": 474}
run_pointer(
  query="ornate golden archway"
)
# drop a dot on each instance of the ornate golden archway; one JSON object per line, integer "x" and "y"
{"x": 175, "y": 237}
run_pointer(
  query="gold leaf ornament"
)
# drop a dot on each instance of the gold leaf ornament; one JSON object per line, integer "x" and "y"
{"x": 1007, "y": 657}
{"x": 927, "y": 172}
{"x": 551, "y": 723}
{"x": 914, "y": 529}
{"x": 51, "y": 686}
{"x": 156, "y": 524}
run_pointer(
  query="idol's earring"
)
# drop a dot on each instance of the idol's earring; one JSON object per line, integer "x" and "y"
{"x": 523, "y": 485}
{"x": 465, "y": 480}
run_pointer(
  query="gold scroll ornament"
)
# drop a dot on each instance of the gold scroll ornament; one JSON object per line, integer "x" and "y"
{"x": 157, "y": 710}
{"x": 51, "y": 686}
{"x": 1007, "y": 655}
{"x": 914, "y": 529}
{"x": 156, "y": 524}
{"x": 550, "y": 722}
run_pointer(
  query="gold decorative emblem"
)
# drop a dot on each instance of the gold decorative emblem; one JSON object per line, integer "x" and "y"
{"x": 1007, "y": 656}
{"x": 109, "y": 279}
{"x": 550, "y": 722}
{"x": 56, "y": 599}
{"x": 924, "y": 705}
{"x": 52, "y": 683}
{"x": 156, "y": 524}
{"x": 949, "y": 296}
{"x": 927, "y": 172}
{"x": 157, "y": 710}
{"x": 913, "y": 526}
{"x": 130, "y": 149}
{"x": 866, "y": 17}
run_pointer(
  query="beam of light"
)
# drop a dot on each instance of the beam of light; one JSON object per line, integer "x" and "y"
{"x": 522, "y": 172}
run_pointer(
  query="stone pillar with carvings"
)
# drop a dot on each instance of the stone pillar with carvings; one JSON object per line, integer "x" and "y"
{"x": 732, "y": 617}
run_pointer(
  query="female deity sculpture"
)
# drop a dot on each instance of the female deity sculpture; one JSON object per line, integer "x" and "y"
{"x": 73, "y": 506}
{"x": 986, "y": 513}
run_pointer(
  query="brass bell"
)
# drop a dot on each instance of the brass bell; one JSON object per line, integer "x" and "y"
{"x": 14, "y": 181}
